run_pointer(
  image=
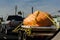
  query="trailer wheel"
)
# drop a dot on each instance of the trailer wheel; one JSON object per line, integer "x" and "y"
{"x": 24, "y": 36}
{"x": 19, "y": 35}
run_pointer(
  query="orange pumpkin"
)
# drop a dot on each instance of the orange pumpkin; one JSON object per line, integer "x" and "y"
{"x": 38, "y": 18}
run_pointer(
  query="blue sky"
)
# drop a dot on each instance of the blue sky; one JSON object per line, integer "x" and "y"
{"x": 7, "y": 6}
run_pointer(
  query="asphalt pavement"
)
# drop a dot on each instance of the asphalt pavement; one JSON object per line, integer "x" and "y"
{"x": 57, "y": 37}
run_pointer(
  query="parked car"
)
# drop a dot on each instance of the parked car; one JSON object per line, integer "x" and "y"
{"x": 14, "y": 20}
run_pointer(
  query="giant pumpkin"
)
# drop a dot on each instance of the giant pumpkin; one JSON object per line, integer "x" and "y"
{"x": 38, "y": 18}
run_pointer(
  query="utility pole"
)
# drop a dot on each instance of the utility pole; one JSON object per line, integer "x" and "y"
{"x": 15, "y": 9}
{"x": 32, "y": 10}
{"x": 23, "y": 14}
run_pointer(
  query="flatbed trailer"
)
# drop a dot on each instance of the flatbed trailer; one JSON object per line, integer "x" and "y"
{"x": 43, "y": 33}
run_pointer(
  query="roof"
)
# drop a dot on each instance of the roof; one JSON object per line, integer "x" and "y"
{"x": 15, "y": 17}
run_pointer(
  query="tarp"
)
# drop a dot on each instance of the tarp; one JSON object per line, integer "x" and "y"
{"x": 38, "y": 18}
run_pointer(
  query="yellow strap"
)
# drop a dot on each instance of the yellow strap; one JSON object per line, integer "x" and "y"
{"x": 52, "y": 21}
{"x": 16, "y": 28}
